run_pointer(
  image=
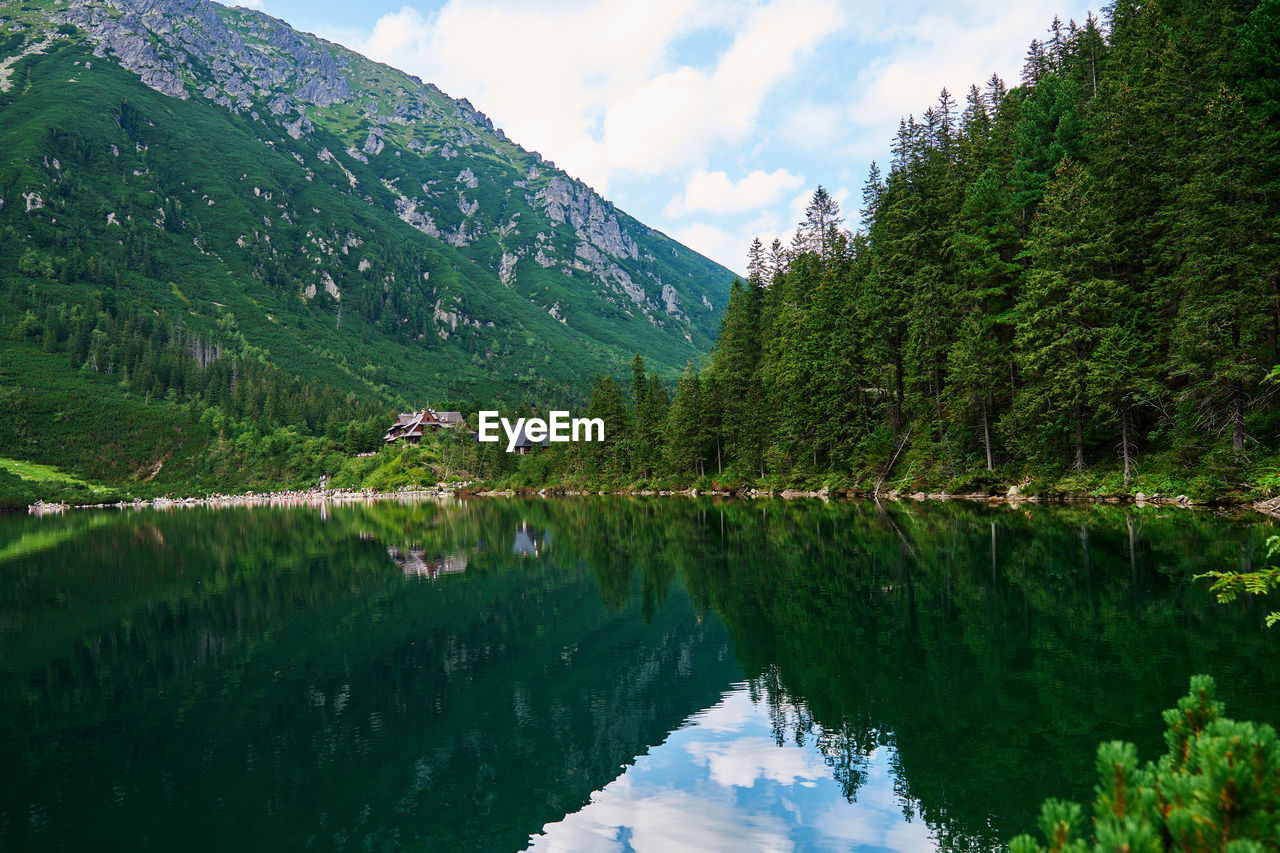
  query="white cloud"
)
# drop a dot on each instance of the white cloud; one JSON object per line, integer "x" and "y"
{"x": 730, "y": 100}
{"x": 727, "y": 243}
{"x": 716, "y": 193}
{"x": 840, "y": 195}
{"x": 956, "y": 48}
{"x": 591, "y": 83}
{"x": 724, "y": 246}
{"x": 878, "y": 822}
{"x": 798, "y": 204}
{"x": 815, "y": 128}
{"x": 732, "y": 713}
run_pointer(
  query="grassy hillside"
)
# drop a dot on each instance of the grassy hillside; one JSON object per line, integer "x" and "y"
{"x": 109, "y": 442}
{"x": 95, "y": 229}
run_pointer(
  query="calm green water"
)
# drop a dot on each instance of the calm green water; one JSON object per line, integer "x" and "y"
{"x": 596, "y": 674}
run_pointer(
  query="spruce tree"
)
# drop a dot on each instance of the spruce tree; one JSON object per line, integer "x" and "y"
{"x": 611, "y": 456}
{"x": 686, "y": 440}
{"x": 1064, "y": 306}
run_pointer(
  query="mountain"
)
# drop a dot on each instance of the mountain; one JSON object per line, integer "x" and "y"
{"x": 266, "y": 193}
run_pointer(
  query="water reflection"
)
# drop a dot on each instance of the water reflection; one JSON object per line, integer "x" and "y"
{"x": 823, "y": 675}
{"x": 415, "y": 562}
{"x": 722, "y": 781}
{"x": 528, "y": 542}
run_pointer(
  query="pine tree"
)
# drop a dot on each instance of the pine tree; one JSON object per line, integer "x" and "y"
{"x": 871, "y": 192}
{"x": 687, "y": 427}
{"x": 821, "y": 223}
{"x": 651, "y": 425}
{"x": 1049, "y": 130}
{"x": 984, "y": 245}
{"x": 1065, "y": 305}
{"x": 639, "y": 381}
{"x": 611, "y": 456}
{"x": 735, "y": 374}
{"x": 757, "y": 265}
{"x": 1216, "y": 788}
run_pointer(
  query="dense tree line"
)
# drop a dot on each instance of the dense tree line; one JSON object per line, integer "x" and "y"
{"x": 1079, "y": 272}
{"x": 159, "y": 359}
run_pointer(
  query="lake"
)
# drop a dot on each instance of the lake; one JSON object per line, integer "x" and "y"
{"x": 598, "y": 674}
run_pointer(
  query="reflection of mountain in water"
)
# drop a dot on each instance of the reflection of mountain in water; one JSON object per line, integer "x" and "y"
{"x": 291, "y": 689}
{"x": 415, "y": 563}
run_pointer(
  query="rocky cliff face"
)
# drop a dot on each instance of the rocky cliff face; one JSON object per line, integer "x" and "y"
{"x": 163, "y": 40}
{"x": 438, "y": 163}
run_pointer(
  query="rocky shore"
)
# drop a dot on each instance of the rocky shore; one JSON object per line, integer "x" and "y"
{"x": 301, "y": 497}
{"x": 319, "y": 497}
{"x": 1013, "y": 496}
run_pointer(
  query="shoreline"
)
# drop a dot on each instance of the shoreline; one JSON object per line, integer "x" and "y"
{"x": 324, "y": 497}
{"x": 295, "y": 497}
{"x": 1270, "y": 507}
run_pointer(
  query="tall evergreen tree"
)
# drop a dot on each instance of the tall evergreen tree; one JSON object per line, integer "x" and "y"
{"x": 612, "y": 455}
{"x": 735, "y": 374}
{"x": 1065, "y": 306}
{"x": 687, "y": 426}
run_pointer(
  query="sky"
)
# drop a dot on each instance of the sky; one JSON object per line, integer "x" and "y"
{"x": 710, "y": 120}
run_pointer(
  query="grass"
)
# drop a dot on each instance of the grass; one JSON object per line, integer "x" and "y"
{"x": 23, "y": 483}
{"x": 47, "y": 475}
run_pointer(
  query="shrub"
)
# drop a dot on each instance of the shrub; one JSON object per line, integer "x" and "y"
{"x": 15, "y": 492}
{"x": 1217, "y": 788}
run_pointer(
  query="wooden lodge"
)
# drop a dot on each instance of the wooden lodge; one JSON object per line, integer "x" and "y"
{"x": 410, "y": 426}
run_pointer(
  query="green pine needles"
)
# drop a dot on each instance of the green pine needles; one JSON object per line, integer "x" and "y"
{"x": 1228, "y": 585}
{"x": 1217, "y": 788}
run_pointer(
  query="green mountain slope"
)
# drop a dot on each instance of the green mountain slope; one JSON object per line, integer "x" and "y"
{"x": 264, "y": 192}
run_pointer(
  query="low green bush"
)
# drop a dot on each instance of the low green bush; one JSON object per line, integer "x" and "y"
{"x": 15, "y": 492}
{"x": 1217, "y": 788}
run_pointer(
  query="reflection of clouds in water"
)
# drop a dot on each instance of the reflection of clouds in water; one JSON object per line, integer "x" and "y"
{"x": 660, "y": 821}
{"x": 878, "y": 822}
{"x": 740, "y": 762}
{"x": 731, "y": 714}
{"x": 721, "y": 782}
{"x": 527, "y": 543}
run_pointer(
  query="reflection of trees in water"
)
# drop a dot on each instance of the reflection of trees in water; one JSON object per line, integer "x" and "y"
{"x": 415, "y": 562}
{"x": 974, "y": 642}
{"x": 846, "y": 749}
{"x": 982, "y": 644}
{"x": 293, "y": 658}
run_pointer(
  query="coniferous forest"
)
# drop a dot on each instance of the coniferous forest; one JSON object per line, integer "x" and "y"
{"x": 1075, "y": 275}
